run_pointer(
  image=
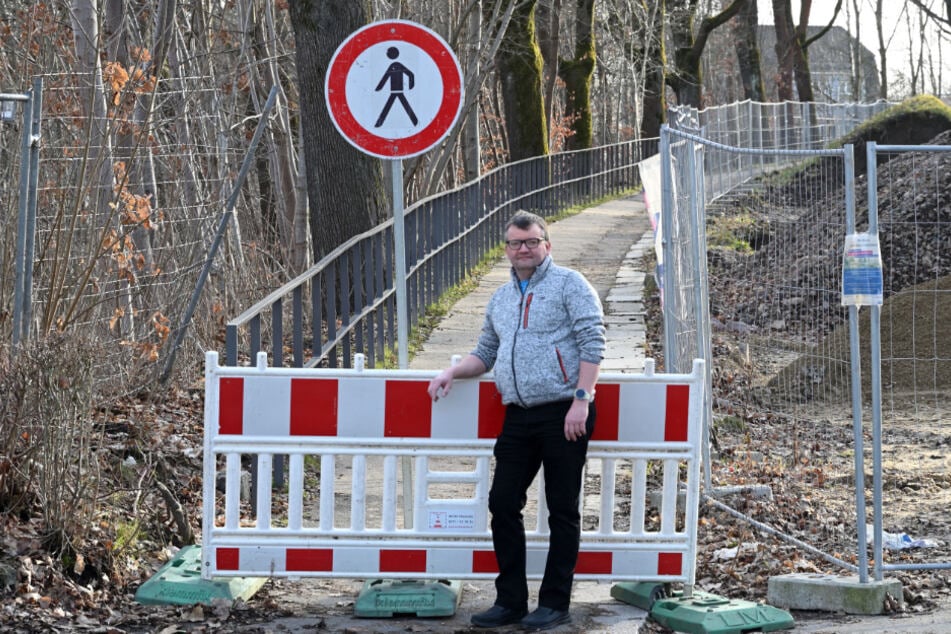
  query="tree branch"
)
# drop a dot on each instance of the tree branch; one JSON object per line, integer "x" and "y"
{"x": 711, "y": 22}
{"x": 806, "y": 42}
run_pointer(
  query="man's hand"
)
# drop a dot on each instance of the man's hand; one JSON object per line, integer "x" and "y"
{"x": 440, "y": 385}
{"x": 576, "y": 420}
{"x": 469, "y": 367}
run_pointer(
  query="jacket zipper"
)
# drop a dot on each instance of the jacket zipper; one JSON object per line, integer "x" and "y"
{"x": 527, "y": 300}
{"x": 561, "y": 364}
{"x": 528, "y": 304}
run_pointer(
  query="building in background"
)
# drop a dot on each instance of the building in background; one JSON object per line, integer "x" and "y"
{"x": 830, "y": 62}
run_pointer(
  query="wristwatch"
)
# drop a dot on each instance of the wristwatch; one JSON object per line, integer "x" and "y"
{"x": 582, "y": 395}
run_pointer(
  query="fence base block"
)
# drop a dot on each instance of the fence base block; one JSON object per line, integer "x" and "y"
{"x": 639, "y": 594}
{"x": 179, "y": 582}
{"x": 834, "y": 593}
{"x": 382, "y": 598}
{"x": 710, "y": 613}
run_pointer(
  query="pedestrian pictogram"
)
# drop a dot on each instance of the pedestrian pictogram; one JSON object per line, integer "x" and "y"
{"x": 394, "y": 77}
{"x": 394, "y": 89}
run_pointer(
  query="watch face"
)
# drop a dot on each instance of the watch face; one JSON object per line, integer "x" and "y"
{"x": 581, "y": 395}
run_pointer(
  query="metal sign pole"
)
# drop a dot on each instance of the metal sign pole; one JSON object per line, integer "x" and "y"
{"x": 402, "y": 318}
{"x": 399, "y": 281}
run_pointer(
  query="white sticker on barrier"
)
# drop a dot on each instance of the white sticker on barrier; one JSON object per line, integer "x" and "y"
{"x": 452, "y": 520}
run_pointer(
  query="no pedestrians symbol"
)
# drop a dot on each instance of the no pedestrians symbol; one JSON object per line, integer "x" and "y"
{"x": 394, "y": 89}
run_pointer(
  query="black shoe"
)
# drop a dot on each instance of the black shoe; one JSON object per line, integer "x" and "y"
{"x": 497, "y": 616}
{"x": 545, "y": 618}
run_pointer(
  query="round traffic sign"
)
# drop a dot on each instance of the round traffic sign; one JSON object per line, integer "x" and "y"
{"x": 394, "y": 89}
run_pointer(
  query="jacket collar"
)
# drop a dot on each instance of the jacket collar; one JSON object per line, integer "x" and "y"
{"x": 540, "y": 271}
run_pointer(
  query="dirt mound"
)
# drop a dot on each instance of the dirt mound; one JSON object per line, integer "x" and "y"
{"x": 916, "y": 348}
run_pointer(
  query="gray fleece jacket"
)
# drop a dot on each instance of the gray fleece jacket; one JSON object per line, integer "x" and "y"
{"x": 534, "y": 342}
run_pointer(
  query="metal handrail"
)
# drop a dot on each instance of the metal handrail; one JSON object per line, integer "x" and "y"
{"x": 351, "y": 291}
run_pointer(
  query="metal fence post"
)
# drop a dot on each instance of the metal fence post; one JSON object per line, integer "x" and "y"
{"x": 666, "y": 224}
{"x": 26, "y": 220}
{"x": 854, "y": 344}
{"x": 875, "y": 345}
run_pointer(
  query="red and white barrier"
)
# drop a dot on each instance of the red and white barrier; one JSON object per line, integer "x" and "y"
{"x": 346, "y": 432}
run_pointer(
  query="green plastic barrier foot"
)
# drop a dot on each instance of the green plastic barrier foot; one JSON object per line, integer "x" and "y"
{"x": 179, "y": 582}
{"x": 388, "y": 597}
{"x": 639, "y": 594}
{"x": 708, "y": 613}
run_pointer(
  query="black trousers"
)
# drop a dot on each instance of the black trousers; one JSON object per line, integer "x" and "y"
{"x": 530, "y": 438}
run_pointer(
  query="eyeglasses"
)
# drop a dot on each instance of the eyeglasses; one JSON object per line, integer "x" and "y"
{"x": 531, "y": 243}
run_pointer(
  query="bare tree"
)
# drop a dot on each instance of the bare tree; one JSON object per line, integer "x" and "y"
{"x": 346, "y": 188}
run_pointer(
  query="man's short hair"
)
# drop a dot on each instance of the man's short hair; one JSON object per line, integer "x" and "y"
{"x": 525, "y": 219}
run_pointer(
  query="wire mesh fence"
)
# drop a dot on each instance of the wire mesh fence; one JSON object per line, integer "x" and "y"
{"x": 753, "y": 125}
{"x": 752, "y": 281}
{"x": 125, "y": 213}
{"x": 908, "y": 193}
{"x": 794, "y": 398}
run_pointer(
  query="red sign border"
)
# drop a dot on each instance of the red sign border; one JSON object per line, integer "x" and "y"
{"x": 402, "y": 31}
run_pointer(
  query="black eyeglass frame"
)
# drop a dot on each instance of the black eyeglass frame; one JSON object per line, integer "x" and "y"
{"x": 531, "y": 243}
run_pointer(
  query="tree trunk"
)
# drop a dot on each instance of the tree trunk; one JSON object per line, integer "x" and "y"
{"x": 747, "y": 52}
{"x": 801, "y": 54}
{"x": 576, "y": 73}
{"x": 785, "y": 43}
{"x": 548, "y": 20}
{"x": 471, "y": 142}
{"x": 882, "y": 53}
{"x": 855, "y": 49}
{"x": 649, "y": 56}
{"x": 520, "y": 75}
{"x": 275, "y": 162}
{"x": 345, "y": 187}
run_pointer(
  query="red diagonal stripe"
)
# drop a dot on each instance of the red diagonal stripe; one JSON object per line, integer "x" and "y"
{"x": 678, "y": 408}
{"x": 408, "y": 410}
{"x": 231, "y": 406}
{"x": 491, "y": 410}
{"x": 402, "y": 561}
{"x": 309, "y": 560}
{"x": 607, "y": 399}
{"x": 670, "y": 563}
{"x": 314, "y": 407}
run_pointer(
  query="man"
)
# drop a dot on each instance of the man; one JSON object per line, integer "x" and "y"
{"x": 544, "y": 336}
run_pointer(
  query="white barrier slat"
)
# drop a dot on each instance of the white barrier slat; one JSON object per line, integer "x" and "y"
{"x": 389, "y": 493}
{"x": 232, "y": 490}
{"x": 358, "y": 491}
{"x": 455, "y": 417}
{"x": 638, "y": 496}
{"x": 295, "y": 492}
{"x": 265, "y": 486}
{"x": 328, "y": 475}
